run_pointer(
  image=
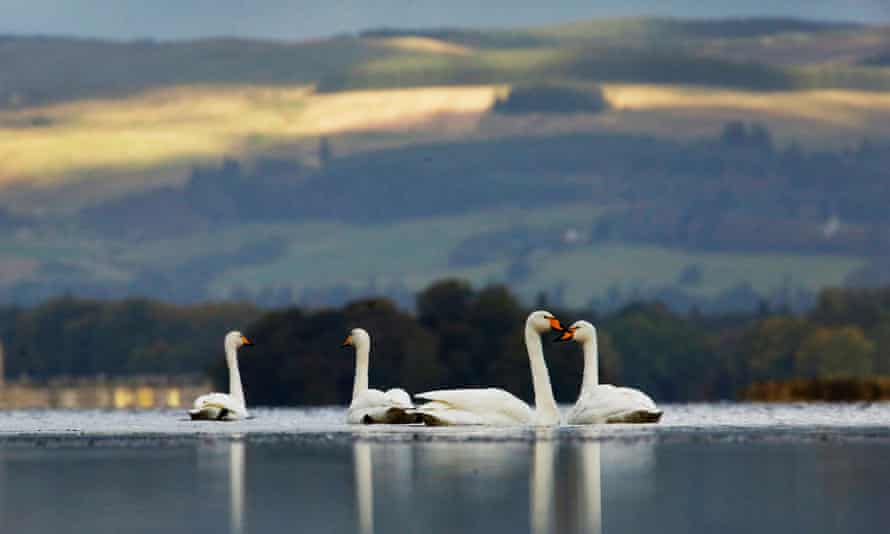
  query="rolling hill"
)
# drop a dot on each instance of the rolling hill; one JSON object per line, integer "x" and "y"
{"x": 714, "y": 170}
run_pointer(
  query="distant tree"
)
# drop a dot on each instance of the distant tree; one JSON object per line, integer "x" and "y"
{"x": 324, "y": 153}
{"x": 691, "y": 275}
{"x": 738, "y": 134}
{"x": 655, "y": 347}
{"x": 769, "y": 348}
{"x": 552, "y": 99}
{"x": 443, "y": 302}
{"x": 734, "y": 133}
{"x": 830, "y": 353}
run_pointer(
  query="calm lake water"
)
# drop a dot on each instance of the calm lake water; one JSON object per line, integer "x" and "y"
{"x": 707, "y": 468}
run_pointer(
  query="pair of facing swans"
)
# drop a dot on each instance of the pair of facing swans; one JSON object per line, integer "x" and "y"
{"x": 597, "y": 403}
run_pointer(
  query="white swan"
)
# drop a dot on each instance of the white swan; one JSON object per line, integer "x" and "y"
{"x": 372, "y": 405}
{"x": 222, "y": 406}
{"x": 497, "y": 407}
{"x": 603, "y": 403}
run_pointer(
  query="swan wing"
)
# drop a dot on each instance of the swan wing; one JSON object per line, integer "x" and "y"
{"x": 607, "y": 403}
{"x": 218, "y": 407}
{"x": 399, "y": 398}
{"x": 489, "y": 406}
{"x": 375, "y": 406}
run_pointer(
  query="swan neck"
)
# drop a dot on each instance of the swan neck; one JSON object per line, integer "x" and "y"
{"x": 235, "y": 389}
{"x": 591, "y": 366}
{"x": 362, "y": 354}
{"x": 547, "y": 412}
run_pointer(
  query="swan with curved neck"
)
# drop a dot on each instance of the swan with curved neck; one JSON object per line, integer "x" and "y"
{"x": 225, "y": 406}
{"x": 372, "y": 405}
{"x": 604, "y": 403}
{"x": 496, "y": 407}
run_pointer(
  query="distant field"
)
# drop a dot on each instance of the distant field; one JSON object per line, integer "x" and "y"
{"x": 114, "y": 145}
{"x": 627, "y": 267}
{"x": 414, "y": 253}
{"x": 377, "y": 253}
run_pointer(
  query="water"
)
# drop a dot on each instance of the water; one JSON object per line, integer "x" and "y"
{"x": 707, "y": 468}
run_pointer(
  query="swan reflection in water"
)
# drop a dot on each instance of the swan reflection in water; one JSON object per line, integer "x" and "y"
{"x": 541, "y": 481}
{"x": 236, "y": 487}
{"x": 589, "y": 501}
{"x": 564, "y": 491}
{"x": 364, "y": 487}
{"x": 222, "y": 468}
{"x": 578, "y": 489}
{"x": 584, "y": 462}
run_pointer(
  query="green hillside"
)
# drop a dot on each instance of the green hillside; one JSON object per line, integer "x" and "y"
{"x": 692, "y": 161}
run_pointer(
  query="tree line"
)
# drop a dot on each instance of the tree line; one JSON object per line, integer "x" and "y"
{"x": 456, "y": 336}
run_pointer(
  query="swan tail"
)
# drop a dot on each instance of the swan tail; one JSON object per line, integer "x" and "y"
{"x": 430, "y": 419}
{"x": 637, "y": 417}
{"x": 211, "y": 412}
{"x": 401, "y": 416}
{"x": 201, "y": 415}
{"x": 391, "y": 416}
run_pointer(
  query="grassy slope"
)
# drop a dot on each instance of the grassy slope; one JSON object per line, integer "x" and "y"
{"x": 593, "y": 271}
{"x": 179, "y": 103}
{"x": 416, "y": 253}
{"x": 250, "y": 99}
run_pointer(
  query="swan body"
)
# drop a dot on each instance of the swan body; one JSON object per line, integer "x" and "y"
{"x": 489, "y": 406}
{"x": 604, "y": 403}
{"x": 372, "y": 405}
{"x": 225, "y": 406}
{"x": 610, "y": 404}
{"x": 496, "y": 407}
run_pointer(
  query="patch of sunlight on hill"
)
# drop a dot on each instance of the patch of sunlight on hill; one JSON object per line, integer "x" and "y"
{"x": 107, "y": 147}
{"x": 592, "y": 271}
{"x": 421, "y": 44}
{"x": 816, "y": 119}
{"x": 99, "y": 138}
{"x": 833, "y": 107}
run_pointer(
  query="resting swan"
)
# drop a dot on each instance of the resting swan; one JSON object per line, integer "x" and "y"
{"x": 496, "y": 407}
{"x": 222, "y": 406}
{"x": 603, "y": 403}
{"x": 372, "y": 405}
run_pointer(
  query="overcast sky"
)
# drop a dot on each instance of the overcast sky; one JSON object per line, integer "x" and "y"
{"x": 297, "y": 20}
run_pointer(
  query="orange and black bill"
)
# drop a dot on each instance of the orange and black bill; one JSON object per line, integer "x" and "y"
{"x": 347, "y": 342}
{"x": 566, "y": 335}
{"x": 555, "y": 325}
{"x": 246, "y": 342}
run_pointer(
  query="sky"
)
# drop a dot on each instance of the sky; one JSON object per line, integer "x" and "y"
{"x": 300, "y": 20}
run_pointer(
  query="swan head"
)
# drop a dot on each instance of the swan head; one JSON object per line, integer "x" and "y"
{"x": 542, "y": 321}
{"x": 357, "y": 337}
{"x": 580, "y": 331}
{"x": 236, "y": 340}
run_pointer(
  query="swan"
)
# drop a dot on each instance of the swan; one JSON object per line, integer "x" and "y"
{"x": 496, "y": 407}
{"x": 222, "y": 406}
{"x": 603, "y": 403}
{"x": 372, "y": 405}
